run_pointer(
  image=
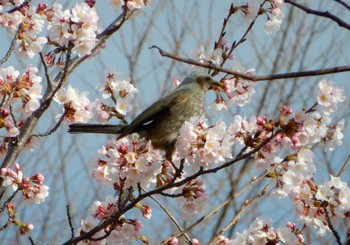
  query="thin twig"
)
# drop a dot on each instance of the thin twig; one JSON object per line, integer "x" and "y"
{"x": 8, "y": 200}
{"x": 59, "y": 122}
{"x": 46, "y": 69}
{"x": 13, "y": 116}
{"x": 70, "y": 221}
{"x": 344, "y": 166}
{"x": 31, "y": 240}
{"x": 325, "y": 14}
{"x": 343, "y": 3}
{"x": 12, "y": 46}
{"x": 172, "y": 218}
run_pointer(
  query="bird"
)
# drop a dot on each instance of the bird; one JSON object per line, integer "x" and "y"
{"x": 161, "y": 121}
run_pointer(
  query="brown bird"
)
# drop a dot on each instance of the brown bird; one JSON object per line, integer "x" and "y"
{"x": 162, "y": 121}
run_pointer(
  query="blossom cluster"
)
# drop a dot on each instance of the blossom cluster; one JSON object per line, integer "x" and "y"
{"x": 261, "y": 231}
{"x": 300, "y": 129}
{"x": 315, "y": 203}
{"x": 31, "y": 21}
{"x": 127, "y": 162}
{"x": 123, "y": 231}
{"x": 193, "y": 199}
{"x": 202, "y": 145}
{"x": 23, "y": 88}
{"x": 78, "y": 25}
{"x": 77, "y": 106}
{"x": 32, "y": 188}
{"x": 120, "y": 91}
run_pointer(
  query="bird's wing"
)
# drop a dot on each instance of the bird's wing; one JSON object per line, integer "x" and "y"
{"x": 156, "y": 109}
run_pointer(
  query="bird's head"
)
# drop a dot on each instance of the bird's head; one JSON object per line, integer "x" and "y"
{"x": 205, "y": 81}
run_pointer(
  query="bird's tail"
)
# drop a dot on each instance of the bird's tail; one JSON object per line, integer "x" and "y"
{"x": 79, "y": 128}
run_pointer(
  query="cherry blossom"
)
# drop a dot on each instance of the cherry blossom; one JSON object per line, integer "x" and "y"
{"x": 121, "y": 92}
{"x": 78, "y": 25}
{"x": 127, "y": 162}
{"x": 261, "y": 231}
{"x": 76, "y": 105}
{"x": 193, "y": 200}
{"x": 202, "y": 145}
{"x": 328, "y": 96}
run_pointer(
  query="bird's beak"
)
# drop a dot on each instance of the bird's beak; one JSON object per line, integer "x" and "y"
{"x": 214, "y": 86}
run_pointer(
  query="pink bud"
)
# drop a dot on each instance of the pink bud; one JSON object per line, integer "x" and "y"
{"x": 222, "y": 42}
{"x": 42, "y": 6}
{"x": 301, "y": 238}
{"x": 91, "y": 3}
{"x": 173, "y": 241}
{"x": 38, "y": 178}
{"x": 4, "y": 112}
{"x": 8, "y": 124}
{"x": 295, "y": 140}
{"x": 17, "y": 168}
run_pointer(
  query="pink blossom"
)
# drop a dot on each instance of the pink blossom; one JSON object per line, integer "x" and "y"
{"x": 202, "y": 145}
{"x": 77, "y": 105}
{"x": 127, "y": 162}
{"x": 328, "y": 96}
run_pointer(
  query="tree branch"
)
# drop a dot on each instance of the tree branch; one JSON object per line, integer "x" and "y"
{"x": 325, "y": 14}
{"x": 246, "y": 76}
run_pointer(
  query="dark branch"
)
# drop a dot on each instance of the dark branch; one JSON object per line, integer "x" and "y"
{"x": 209, "y": 65}
{"x": 325, "y": 14}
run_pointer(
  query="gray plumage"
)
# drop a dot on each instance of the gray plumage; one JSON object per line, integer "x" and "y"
{"x": 162, "y": 121}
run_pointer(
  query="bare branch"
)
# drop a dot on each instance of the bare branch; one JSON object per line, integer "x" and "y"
{"x": 325, "y": 14}
{"x": 12, "y": 46}
{"x": 209, "y": 65}
{"x": 343, "y": 3}
{"x": 8, "y": 200}
{"x": 46, "y": 69}
{"x": 70, "y": 221}
{"x": 59, "y": 122}
{"x": 172, "y": 218}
